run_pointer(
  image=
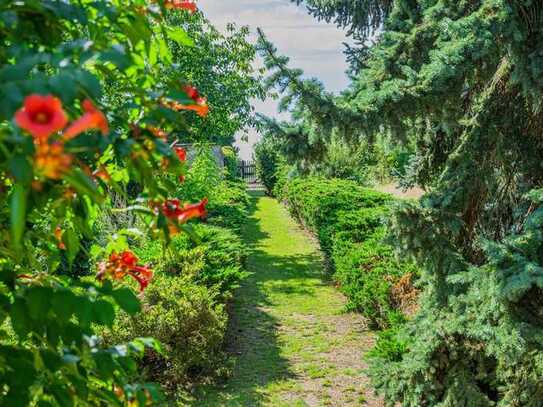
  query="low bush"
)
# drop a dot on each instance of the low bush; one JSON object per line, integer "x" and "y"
{"x": 189, "y": 323}
{"x": 318, "y": 201}
{"x": 228, "y": 207}
{"x": 231, "y": 163}
{"x": 368, "y": 273}
{"x": 349, "y": 221}
{"x": 216, "y": 260}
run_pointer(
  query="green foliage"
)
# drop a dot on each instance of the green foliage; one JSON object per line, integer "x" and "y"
{"x": 268, "y": 162}
{"x": 231, "y": 163}
{"x": 270, "y": 165}
{"x": 367, "y": 273}
{"x": 202, "y": 177}
{"x": 462, "y": 83}
{"x": 72, "y": 57}
{"x": 188, "y": 322}
{"x": 318, "y": 202}
{"x": 216, "y": 260}
{"x": 88, "y": 90}
{"x": 221, "y": 65}
{"x": 185, "y": 304}
{"x": 229, "y": 207}
{"x": 348, "y": 220}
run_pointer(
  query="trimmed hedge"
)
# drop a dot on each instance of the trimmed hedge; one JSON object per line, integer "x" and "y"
{"x": 184, "y": 307}
{"x": 349, "y": 221}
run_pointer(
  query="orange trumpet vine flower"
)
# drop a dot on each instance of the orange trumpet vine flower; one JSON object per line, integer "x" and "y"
{"x": 173, "y": 210}
{"x": 58, "y": 236}
{"x": 200, "y": 103}
{"x": 41, "y": 116}
{"x": 92, "y": 119}
{"x": 158, "y": 133}
{"x": 126, "y": 263}
{"x": 51, "y": 161}
{"x": 193, "y": 211}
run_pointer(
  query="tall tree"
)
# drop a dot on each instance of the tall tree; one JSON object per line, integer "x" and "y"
{"x": 221, "y": 66}
{"x": 465, "y": 80}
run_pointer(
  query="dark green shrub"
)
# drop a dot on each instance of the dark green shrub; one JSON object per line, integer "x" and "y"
{"x": 215, "y": 261}
{"x": 351, "y": 226}
{"x": 320, "y": 203}
{"x": 228, "y": 207}
{"x": 268, "y": 162}
{"x": 188, "y": 322}
{"x": 367, "y": 273}
{"x": 283, "y": 174}
{"x": 349, "y": 223}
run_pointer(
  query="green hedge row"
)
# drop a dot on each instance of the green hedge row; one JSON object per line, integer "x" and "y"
{"x": 184, "y": 306}
{"x": 349, "y": 221}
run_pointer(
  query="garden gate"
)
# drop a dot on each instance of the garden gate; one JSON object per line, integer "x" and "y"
{"x": 247, "y": 171}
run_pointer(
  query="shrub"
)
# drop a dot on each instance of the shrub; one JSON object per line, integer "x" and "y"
{"x": 231, "y": 163}
{"x": 368, "y": 273}
{"x": 216, "y": 260}
{"x": 349, "y": 223}
{"x": 283, "y": 174}
{"x": 188, "y": 322}
{"x": 268, "y": 163}
{"x": 319, "y": 203}
{"x": 229, "y": 205}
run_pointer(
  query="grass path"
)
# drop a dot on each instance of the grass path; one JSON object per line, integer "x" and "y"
{"x": 293, "y": 344}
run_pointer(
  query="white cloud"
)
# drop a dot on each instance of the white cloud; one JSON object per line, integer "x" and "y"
{"x": 313, "y": 46}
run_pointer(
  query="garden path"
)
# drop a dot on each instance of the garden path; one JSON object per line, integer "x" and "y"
{"x": 292, "y": 343}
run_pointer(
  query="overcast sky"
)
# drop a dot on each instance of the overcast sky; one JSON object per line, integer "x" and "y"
{"x": 313, "y": 46}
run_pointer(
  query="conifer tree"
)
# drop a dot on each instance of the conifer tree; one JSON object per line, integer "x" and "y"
{"x": 463, "y": 79}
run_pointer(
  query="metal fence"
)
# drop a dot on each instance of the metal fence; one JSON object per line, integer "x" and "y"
{"x": 247, "y": 171}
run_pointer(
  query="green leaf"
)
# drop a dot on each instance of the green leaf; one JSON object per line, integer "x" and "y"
{"x": 127, "y": 300}
{"x": 20, "y": 320}
{"x": 21, "y": 169}
{"x": 180, "y": 36}
{"x": 71, "y": 241}
{"x": 62, "y": 395}
{"x": 18, "y": 213}
{"x": 103, "y": 312}
{"x": 38, "y": 301}
{"x": 64, "y": 304}
{"x": 84, "y": 185}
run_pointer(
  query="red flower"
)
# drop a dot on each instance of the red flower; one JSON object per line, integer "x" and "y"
{"x": 120, "y": 265}
{"x": 200, "y": 103}
{"x": 188, "y": 5}
{"x": 192, "y": 92}
{"x": 181, "y": 153}
{"x": 172, "y": 210}
{"x": 193, "y": 211}
{"x": 41, "y": 116}
{"x": 92, "y": 119}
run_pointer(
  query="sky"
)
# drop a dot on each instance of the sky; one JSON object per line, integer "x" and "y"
{"x": 316, "y": 47}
